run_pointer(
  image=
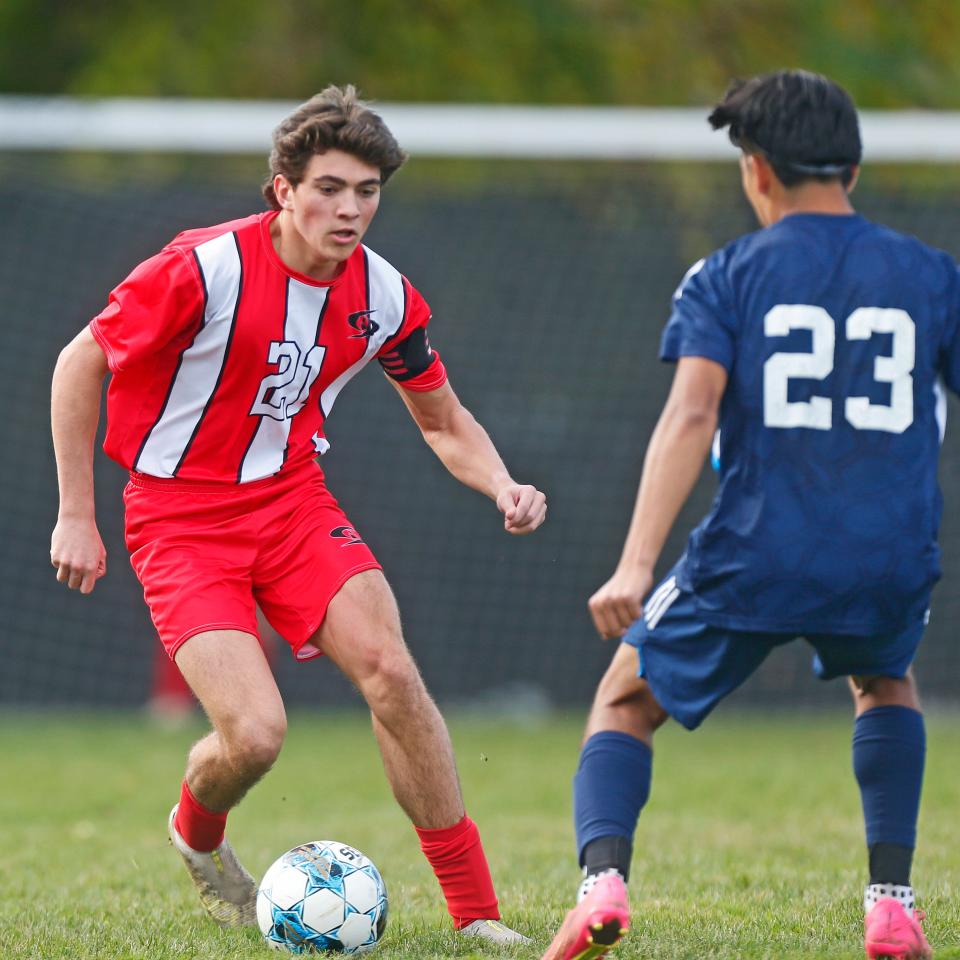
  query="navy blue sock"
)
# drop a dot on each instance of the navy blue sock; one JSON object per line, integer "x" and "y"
{"x": 889, "y": 746}
{"x": 610, "y": 788}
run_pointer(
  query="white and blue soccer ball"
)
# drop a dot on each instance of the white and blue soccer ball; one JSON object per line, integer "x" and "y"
{"x": 322, "y": 896}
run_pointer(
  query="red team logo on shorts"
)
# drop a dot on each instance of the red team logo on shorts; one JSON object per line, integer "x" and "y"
{"x": 347, "y": 534}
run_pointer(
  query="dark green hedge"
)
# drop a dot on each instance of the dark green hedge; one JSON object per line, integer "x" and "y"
{"x": 889, "y": 53}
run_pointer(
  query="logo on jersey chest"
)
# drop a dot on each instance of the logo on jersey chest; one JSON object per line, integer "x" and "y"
{"x": 361, "y": 322}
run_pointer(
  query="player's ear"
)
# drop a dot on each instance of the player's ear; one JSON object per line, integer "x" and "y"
{"x": 854, "y": 177}
{"x": 283, "y": 190}
{"x": 763, "y": 174}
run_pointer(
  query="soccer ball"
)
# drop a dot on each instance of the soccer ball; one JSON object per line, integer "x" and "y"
{"x": 322, "y": 896}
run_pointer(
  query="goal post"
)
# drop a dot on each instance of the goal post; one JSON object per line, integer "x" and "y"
{"x": 438, "y": 130}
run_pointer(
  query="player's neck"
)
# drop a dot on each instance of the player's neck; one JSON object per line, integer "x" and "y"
{"x": 826, "y": 198}
{"x": 298, "y": 255}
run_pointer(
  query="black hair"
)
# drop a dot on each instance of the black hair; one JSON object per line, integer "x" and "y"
{"x": 803, "y": 123}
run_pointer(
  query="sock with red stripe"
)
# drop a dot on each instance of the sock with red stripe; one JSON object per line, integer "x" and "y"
{"x": 201, "y": 829}
{"x": 457, "y": 857}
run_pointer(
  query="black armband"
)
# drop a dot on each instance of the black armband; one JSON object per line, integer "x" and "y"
{"x": 408, "y": 358}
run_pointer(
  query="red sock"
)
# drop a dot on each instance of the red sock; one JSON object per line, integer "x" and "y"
{"x": 457, "y": 857}
{"x": 202, "y": 829}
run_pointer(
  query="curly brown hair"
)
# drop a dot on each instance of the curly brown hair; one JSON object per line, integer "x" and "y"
{"x": 334, "y": 119}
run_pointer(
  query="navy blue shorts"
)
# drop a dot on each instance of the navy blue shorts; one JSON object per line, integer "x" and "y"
{"x": 691, "y": 666}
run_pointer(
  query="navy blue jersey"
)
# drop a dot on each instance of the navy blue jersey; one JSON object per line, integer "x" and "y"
{"x": 837, "y": 335}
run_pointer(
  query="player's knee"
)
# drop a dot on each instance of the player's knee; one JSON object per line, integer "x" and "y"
{"x": 628, "y": 703}
{"x": 394, "y": 684}
{"x": 254, "y": 743}
{"x": 878, "y": 691}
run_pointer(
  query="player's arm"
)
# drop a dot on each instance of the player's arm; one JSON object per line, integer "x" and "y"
{"x": 674, "y": 459}
{"x": 76, "y": 549}
{"x": 467, "y": 451}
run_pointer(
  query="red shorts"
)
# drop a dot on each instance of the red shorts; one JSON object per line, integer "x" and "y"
{"x": 206, "y": 554}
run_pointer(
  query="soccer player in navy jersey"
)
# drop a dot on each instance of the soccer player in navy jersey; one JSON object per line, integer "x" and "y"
{"x": 227, "y": 351}
{"x": 818, "y": 346}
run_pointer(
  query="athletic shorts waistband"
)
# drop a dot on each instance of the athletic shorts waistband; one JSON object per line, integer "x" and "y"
{"x": 147, "y": 481}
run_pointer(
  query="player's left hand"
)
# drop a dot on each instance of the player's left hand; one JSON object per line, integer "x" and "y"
{"x": 619, "y": 602}
{"x": 523, "y": 507}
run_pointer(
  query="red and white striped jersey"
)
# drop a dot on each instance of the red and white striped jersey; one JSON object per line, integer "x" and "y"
{"x": 226, "y": 362}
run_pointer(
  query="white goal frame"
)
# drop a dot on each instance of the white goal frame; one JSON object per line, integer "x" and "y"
{"x": 127, "y": 124}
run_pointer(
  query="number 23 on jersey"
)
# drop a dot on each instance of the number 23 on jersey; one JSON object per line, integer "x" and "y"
{"x": 818, "y": 363}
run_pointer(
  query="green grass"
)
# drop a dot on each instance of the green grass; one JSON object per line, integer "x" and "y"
{"x": 751, "y": 846}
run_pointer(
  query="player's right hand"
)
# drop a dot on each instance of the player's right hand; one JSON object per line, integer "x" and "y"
{"x": 619, "y": 602}
{"x": 78, "y": 553}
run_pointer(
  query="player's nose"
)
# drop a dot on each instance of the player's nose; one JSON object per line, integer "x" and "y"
{"x": 348, "y": 206}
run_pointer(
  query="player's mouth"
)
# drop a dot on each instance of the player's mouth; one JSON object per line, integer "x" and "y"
{"x": 344, "y": 236}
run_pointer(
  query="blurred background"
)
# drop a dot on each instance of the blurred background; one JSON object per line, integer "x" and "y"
{"x": 549, "y": 279}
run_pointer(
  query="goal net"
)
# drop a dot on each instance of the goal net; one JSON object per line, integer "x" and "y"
{"x": 548, "y": 244}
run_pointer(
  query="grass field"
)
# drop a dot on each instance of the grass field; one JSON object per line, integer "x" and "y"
{"x": 750, "y": 848}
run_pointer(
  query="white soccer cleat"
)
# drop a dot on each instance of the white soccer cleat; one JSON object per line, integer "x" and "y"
{"x": 493, "y": 931}
{"x": 228, "y": 893}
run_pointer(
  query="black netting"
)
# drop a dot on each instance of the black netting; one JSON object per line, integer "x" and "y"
{"x": 549, "y": 284}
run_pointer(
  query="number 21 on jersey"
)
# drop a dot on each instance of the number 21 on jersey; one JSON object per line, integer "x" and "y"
{"x": 283, "y": 394}
{"x": 817, "y": 413}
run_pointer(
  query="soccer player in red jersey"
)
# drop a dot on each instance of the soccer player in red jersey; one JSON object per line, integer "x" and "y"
{"x": 227, "y": 351}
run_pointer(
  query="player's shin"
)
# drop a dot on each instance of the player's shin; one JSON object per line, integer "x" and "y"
{"x": 457, "y": 857}
{"x": 460, "y": 864}
{"x": 889, "y": 744}
{"x": 610, "y": 788}
{"x": 202, "y": 829}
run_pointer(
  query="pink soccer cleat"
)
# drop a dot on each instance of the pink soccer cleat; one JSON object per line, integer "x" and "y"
{"x": 892, "y": 931}
{"x": 596, "y": 924}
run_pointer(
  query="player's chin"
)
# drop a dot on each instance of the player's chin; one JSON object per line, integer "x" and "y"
{"x": 339, "y": 252}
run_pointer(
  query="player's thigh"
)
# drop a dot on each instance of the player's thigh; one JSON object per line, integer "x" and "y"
{"x": 229, "y": 673}
{"x": 624, "y": 700}
{"x": 691, "y": 665}
{"x": 193, "y": 555}
{"x": 621, "y": 682}
{"x": 311, "y": 552}
{"x": 361, "y": 634}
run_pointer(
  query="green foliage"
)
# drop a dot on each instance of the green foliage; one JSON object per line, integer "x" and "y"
{"x": 887, "y": 52}
{"x": 751, "y": 847}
